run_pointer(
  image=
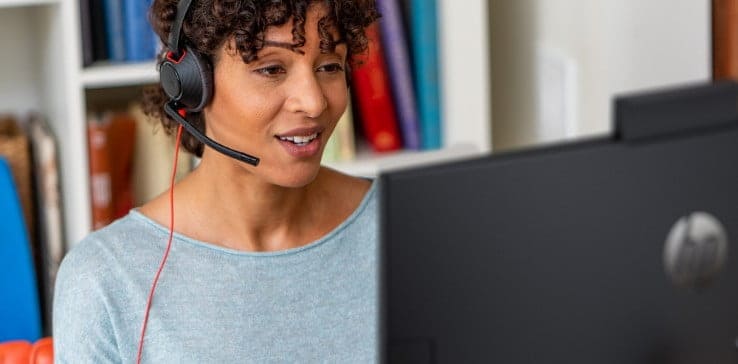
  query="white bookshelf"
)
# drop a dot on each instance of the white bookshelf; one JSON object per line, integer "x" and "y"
{"x": 24, "y": 3}
{"x": 368, "y": 164}
{"x": 117, "y": 75}
{"x": 42, "y": 70}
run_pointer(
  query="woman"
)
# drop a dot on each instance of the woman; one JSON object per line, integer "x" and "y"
{"x": 269, "y": 263}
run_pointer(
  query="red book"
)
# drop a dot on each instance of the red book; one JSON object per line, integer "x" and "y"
{"x": 111, "y": 141}
{"x": 371, "y": 87}
{"x": 100, "y": 172}
{"x": 725, "y": 39}
{"x": 121, "y": 139}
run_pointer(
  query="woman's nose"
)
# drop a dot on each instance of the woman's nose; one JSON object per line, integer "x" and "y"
{"x": 307, "y": 96}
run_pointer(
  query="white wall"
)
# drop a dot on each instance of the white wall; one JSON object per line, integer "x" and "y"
{"x": 464, "y": 73}
{"x": 19, "y": 85}
{"x": 556, "y": 64}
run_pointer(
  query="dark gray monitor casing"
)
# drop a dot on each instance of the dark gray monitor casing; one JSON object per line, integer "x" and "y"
{"x": 560, "y": 254}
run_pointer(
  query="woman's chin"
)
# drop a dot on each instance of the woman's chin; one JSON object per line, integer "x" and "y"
{"x": 297, "y": 177}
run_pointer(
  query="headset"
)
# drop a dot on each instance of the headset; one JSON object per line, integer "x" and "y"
{"x": 187, "y": 79}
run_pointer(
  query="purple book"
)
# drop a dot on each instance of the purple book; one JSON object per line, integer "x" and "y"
{"x": 398, "y": 63}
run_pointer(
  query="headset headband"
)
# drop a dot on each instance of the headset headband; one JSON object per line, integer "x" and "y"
{"x": 182, "y": 9}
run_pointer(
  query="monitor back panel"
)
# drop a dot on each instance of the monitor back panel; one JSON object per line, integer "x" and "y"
{"x": 557, "y": 256}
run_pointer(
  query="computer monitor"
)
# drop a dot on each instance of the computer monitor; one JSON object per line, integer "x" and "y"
{"x": 611, "y": 250}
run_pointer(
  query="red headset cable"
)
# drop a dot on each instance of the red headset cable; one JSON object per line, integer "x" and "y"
{"x": 169, "y": 245}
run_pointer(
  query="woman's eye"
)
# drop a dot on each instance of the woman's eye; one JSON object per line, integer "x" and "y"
{"x": 331, "y": 68}
{"x": 271, "y": 70}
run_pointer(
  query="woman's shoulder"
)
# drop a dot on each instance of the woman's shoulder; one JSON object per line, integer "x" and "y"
{"x": 346, "y": 187}
{"x": 92, "y": 290}
{"x": 113, "y": 245}
{"x": 352, "y": 199}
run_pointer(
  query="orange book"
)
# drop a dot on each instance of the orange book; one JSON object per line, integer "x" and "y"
{"x": 121, "y": 139}
{"x": 373, "y": 96}
{"x": 725, "y": 39}
{"x": 101, "y": 194}
{"x": 111, "y": 138}
{"x": 153, "y": 157}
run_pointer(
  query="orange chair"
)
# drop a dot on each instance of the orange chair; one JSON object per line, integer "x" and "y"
{"x": 23, "y": 352}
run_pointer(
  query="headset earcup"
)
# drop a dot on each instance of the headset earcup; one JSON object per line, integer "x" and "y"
{"x": 188, "y": 81}
{"x": 196, "y": 77}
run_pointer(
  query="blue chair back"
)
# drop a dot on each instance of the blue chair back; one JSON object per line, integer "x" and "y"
{"x": 20, "y": 314}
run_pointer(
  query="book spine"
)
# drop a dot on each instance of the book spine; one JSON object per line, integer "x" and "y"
{"x": 725, "y": 39}
{"x": 153, "y": 157}
{"x": 99, "y": 30}
{"x": 340, "y": 146}
{"x": 100, "y": 173}
{"x": 374, "y": 98}
{"x": 114, "y": 30}
{"x": 345, "y": 133}
{"x": 139, "y": 38}
{"x": 398, "y": 64}
{"x": 330, "y": 151}
{"x": 48, "y": 208}
{"x": 425, "y": 48}
{"x": 121, "y": 136}
{"x": 88, "y": 54}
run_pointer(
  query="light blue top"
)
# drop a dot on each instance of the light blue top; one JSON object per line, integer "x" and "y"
{"x": 316, "y": 303}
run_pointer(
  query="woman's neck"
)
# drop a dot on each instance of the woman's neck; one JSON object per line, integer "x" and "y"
{"x": 233, "y": 208}
{"x": 240, "y": 211}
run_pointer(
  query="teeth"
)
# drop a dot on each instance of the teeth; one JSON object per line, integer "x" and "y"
{"x": 299, "y": 139}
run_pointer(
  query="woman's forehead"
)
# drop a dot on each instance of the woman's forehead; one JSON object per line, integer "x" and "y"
{"x": 313, "y": 15}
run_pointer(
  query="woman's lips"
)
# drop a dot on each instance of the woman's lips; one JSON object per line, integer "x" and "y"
{"x": 301, "y": 150}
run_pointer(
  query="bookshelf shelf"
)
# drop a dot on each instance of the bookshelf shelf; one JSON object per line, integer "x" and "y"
{"x": 123, "y": 74}
{"x": 369, "y": 164}
{"x": 25, "y": 3}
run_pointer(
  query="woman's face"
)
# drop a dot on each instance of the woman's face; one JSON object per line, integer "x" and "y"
{"x": 283, "y": 106}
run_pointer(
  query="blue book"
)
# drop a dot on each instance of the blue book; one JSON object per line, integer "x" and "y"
{"x": 114, "y": 30}
{"x": 423, "y": 19}
{"x": 398, "y": 62}
{"x": 138, "y": 35}
{"x": 20, "y": 312}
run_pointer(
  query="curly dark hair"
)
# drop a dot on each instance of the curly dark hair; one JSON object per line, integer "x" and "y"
{"x": 209, "y": 24}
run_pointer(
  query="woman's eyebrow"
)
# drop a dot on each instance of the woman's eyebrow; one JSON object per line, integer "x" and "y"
{"x": 293, "y": 46}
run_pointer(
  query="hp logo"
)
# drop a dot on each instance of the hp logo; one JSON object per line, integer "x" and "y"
{"x": 695, "y": 250}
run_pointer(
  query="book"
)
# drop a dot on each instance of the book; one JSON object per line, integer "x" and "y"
{"x": 330, "y": 151}
{"x": 121, "y": 137}
{"x": 424, "y": 28}
{"x": 50, "y": 233}
{"x": 115, "y": 35}
{"x": 345, "y": 132}
{"x": 138, "y": 34}
{"x": 99, "y": 31}
{"x": 398, "y": 61}
{"x": 153, "y": 157}
{"x": 101, "y": 191}
{"x": 725, "y": 39}
{"x": 373, "y": 95}
{"x": 111, "y": 136}
{"x": 85, "y": 22}
{"x": 340, "y": 146}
